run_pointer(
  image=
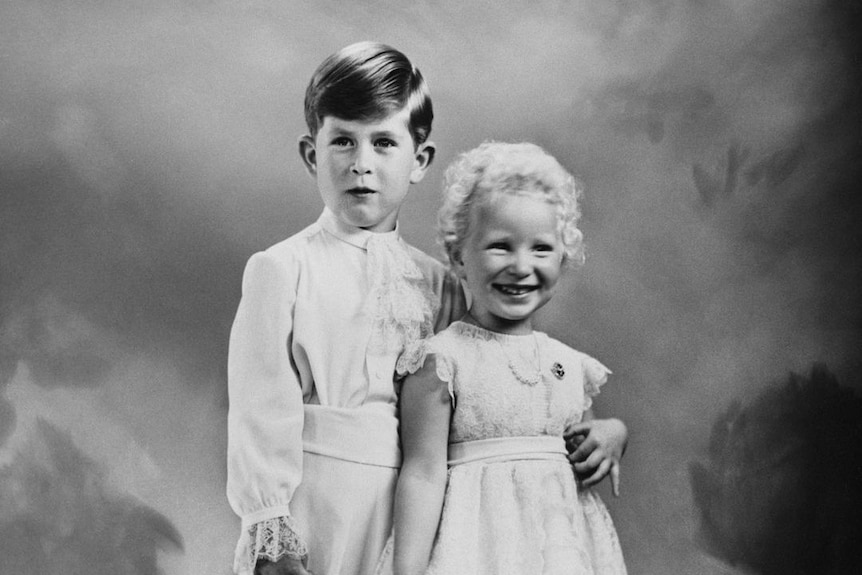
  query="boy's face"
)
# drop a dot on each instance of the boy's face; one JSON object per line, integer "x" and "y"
{"x": 364, "y": 168}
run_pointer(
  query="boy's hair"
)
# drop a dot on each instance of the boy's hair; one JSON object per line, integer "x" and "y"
{"x": 368, "y": 81}
{"x": 501, "y": 168}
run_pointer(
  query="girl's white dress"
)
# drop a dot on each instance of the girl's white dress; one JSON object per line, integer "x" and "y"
{"x": 512, "y": 503}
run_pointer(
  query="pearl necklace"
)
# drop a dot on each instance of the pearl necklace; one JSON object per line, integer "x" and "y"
{"x": 531, "y": 379}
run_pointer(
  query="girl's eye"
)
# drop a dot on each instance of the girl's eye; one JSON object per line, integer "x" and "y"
{"x": 544, "y": 249}
{"x": 498, "y": 247}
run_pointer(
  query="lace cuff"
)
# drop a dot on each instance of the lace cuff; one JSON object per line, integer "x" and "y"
{"x": 595, "y": 376}
{"x": 272, "y": 539}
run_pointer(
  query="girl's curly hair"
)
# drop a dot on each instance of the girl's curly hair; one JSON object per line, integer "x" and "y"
{"x": 508, "y": 168}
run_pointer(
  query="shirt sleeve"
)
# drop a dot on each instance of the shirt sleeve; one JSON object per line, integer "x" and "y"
{"x": 265, "y": 416}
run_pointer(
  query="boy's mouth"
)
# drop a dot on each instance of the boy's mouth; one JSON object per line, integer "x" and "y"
{"x": 360, "y": 191}
{"x": 515, "y": 290}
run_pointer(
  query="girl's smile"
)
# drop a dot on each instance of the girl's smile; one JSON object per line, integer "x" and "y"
{"x": 514, "y": 290}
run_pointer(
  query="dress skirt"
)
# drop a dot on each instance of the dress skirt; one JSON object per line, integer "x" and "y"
{"x": 522, "y": 514}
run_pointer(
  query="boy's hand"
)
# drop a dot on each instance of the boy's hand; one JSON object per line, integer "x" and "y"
{"x": 596, "y": 447}
{"x": 284, "y": 566}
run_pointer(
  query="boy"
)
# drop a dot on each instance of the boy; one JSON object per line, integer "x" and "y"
{"x": 313, "y": 448}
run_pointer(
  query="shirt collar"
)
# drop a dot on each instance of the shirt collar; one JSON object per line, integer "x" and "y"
{"x": 350, "y": 234}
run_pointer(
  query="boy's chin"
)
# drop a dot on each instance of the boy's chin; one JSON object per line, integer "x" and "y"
{"x": 370, "y": 222}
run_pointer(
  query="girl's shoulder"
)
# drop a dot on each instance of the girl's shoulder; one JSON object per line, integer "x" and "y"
{"x": 443, "y": 344}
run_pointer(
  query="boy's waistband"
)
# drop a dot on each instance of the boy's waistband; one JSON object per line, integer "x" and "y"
{"x": 507, "y": 449}
{"x": 361, "y": 435}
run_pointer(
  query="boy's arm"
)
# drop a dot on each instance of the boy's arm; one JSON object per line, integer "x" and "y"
{"x": 598, "y": 445}
{"x": 425, "y": 412}
{"x": 265, "y": 417}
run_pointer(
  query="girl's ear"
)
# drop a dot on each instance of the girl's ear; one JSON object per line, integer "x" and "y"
{"x": 308, "y": 154}
{"x": 422, "y": 159}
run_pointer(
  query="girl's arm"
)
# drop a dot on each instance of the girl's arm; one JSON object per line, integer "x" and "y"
{"x": 600, "y": 446}
{"x": 425, "y": 412}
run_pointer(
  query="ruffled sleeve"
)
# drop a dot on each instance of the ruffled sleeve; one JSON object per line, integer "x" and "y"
{"x": 414, "y": 356}
{"x": 595, "y": 376}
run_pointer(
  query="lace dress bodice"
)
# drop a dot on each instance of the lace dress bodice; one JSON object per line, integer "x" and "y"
{"x": 480, "y": 368}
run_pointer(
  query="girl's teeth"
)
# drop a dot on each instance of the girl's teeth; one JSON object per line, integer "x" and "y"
{"x": 514, "y": 291}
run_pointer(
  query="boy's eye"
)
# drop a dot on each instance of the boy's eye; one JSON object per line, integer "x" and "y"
{"x": 341, "y": 141}
{"x": 385, "y": 143}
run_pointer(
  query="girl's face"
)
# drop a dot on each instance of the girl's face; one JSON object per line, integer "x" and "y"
{"x": 511, "y": 261}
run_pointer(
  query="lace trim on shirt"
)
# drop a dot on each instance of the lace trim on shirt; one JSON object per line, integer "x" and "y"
{"x": 401, "y": 304}
{"x": 272, "y": 539}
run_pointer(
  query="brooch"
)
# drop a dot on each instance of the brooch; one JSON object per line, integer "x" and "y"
{"x": 557, "y": 370}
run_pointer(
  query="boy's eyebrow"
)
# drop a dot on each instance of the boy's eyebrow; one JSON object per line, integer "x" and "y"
{"x": 384, "y": 132}
{"x": 340, "y": 131}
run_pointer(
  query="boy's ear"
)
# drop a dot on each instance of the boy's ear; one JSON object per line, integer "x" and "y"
{"x": 422, "y": 159}
{"x": 308, "y": 154}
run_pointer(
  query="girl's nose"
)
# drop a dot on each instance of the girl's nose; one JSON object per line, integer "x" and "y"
{"x": 520, "y": 264}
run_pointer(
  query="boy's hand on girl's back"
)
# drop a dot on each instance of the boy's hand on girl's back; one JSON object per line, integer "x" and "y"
{"x": 284, "y": 566}
{"x": 596, "y": 447}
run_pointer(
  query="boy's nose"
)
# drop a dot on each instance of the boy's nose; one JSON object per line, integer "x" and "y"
{"x": 361, "y": 161}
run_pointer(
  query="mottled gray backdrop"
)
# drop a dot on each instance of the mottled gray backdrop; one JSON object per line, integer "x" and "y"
{"x": 147, "y": 148}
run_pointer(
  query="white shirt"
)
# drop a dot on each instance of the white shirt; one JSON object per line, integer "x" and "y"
{"x": 299, "y": 345}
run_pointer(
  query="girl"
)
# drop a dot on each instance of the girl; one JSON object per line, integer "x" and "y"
{"x": 499, "y": 394}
